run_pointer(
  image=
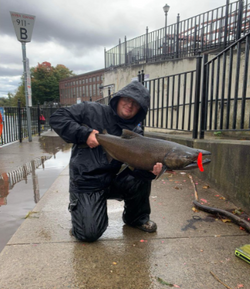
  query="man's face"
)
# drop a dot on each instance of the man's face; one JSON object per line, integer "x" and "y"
{"x": 127, "y": 107}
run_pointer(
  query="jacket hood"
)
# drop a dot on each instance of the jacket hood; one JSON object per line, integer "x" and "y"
{"x": 136, "y": 91}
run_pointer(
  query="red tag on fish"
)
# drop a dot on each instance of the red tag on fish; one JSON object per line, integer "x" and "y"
{"x": 199, "y": 162}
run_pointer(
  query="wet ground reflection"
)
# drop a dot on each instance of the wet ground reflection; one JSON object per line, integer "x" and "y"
{"x": 22, "y": 188}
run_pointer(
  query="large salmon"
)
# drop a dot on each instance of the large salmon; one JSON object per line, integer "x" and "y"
{"x": 143, "y": 152}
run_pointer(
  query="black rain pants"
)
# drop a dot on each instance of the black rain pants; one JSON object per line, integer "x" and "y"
{"x": 89, "y": 209}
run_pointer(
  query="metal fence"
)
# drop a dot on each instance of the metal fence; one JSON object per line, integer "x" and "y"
{"x": 214, "y": 29}
{"x": 15, "y": 123}
{"x": 213, "y": 97}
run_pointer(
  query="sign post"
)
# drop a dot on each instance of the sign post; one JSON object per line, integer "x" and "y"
{"x": 23, "y": 25}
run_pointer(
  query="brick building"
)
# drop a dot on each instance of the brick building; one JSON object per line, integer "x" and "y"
{"x": 82, "y": 87}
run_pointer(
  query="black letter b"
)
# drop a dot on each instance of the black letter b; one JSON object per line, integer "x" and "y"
{"x": 23, "y": 33}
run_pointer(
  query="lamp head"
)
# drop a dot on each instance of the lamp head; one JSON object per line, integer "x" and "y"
{"x": 166, "y": 8}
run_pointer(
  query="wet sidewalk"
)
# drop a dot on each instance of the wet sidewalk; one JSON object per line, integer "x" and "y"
{"x": 187, "y": 249}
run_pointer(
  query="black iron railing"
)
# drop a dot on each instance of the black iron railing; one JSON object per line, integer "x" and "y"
{"x": 15, "y": 122}
{"x": 210, "y": 30}
{"x": 214, "y": 97}
{"x": 225, "y": 97}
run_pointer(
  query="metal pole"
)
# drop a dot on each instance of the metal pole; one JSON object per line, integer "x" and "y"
{"x": 51, "y": 114}
{"x": 19, "y": 121}
{"x": 38, "y": 120}
{"x": 119, "y": 51}
{"x": 146, "y": 54}
{"x": 197, "y": 97}
{"x": 177, "y": 36}
{"x": 165, "y": 9}
{"x": 105, "y": 60}
{"x": 126, "y": 56}
{"x": 203, "y": 116}
{"x": 226, "y": 24}
{"x": 239, "y": 21}
{"x": 166, "y": 23}
{"x": 142, "y": 77}
{"x": 109, "y": 93}
{"x": 139, "y": 76}
{"x": 26, "y": 92}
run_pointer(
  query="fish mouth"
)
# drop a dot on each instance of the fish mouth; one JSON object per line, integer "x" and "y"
{"x": 194, "y": 164}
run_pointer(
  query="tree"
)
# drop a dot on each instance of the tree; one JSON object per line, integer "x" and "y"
{"x": 45, "y": 82}
{"x": 20, "y": 94}
{"x": 7, "y": 101}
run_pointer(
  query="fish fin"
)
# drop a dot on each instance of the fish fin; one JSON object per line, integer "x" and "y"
{"x": 129, "y": 134}
{"x": 123, "y": 168}
{"x": 164, "y": 168}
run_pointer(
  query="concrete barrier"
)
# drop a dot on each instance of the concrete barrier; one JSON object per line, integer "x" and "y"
{"x": 229, "y": 170}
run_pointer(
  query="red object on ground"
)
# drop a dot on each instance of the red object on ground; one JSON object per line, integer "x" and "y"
{"x": 199, "y": 162}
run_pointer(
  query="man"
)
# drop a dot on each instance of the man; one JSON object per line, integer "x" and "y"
{"x": 93, "y": 179}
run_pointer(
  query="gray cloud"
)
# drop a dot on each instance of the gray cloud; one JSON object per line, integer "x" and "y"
{"x": 10, "y": 72}
{"x": 74, "y": 33}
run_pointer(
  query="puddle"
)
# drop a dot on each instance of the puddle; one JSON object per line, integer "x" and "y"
{"x": 23, "y": 187}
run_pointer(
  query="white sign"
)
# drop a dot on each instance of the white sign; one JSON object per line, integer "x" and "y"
{"x": 23, "y": 24}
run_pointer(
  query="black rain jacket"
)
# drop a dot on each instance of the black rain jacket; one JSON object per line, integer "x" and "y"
{"x": 89, "y": 168}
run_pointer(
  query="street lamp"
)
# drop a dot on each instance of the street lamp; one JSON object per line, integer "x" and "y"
{"x": 166, "y": 9}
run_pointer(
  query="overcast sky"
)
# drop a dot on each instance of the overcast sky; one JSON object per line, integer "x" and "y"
{"x": 74, "y": 33}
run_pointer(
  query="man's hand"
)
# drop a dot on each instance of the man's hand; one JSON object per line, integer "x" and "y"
{"x": 157, "y": 169}
{"x": 92, "y": 141}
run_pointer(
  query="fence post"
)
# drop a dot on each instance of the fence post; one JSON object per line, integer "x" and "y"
{"x": 139, "y": 76}
{"x": 226, "y": 23}
{"x": 203, "y": 117}
{"x": 105, "y": 59}
{"x": 177, "y": 35}
{"x": 239, "y": 20}
{"x": 51, "y": 111}
{"x": 142, "y": 77}
{"x": 19, "y": 120}
{"x": 146, "y": 56}
{"x": 109, "y": 93}
{"x": 197, "y": 96}
{"x": 120, "y": 51}
{"x": 125, "y": 44}
{"x": 38, "y": 120}
{"x": 195, "y": 38}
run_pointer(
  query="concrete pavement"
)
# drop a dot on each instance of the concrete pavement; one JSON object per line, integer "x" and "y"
{"x": 186, "y": 248}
